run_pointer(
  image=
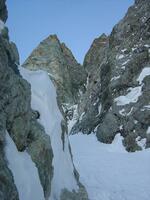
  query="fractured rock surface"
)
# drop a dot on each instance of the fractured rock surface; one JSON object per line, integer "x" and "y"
{"x": 117, "y": 97}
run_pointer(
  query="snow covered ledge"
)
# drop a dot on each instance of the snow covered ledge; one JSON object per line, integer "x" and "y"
{"x": 65, "y": 183}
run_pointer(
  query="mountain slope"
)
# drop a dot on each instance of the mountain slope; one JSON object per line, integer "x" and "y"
{"x": 55, "y": 58}
{"x": 117, "y": 97}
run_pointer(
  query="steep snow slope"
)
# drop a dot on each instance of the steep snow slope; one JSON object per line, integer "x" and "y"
{"x": 108, "y": 171}
{"x": 44, "y": 100}
{"x": 24, "y": 171}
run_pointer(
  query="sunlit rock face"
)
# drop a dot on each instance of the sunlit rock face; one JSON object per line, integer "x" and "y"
{"x": 118, "y": 83}
{"x": 55, "y": 58}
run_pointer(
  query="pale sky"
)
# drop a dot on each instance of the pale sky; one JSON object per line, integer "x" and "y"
{"x": 76, "y": 22}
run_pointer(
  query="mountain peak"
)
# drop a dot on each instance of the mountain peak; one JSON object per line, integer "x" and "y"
{"x": 95, "y": 52}
{"x": 53, "y": 37}
{"x": 56, "y": 58}
{"x": 103, "y": 36}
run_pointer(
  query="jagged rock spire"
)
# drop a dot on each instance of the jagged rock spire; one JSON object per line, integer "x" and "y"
{"x": 62, "y": 67}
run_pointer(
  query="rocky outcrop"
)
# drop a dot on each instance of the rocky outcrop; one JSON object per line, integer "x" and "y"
{"x": 118, "y": 83}
{"x": 90, "y": 101}
{"x": 3, "y": 11}
{"x": 80, "y": 195}
{"x": 16, "y": 117}
{"x": 7, "y": 188}
{"x": 55, "y": 58}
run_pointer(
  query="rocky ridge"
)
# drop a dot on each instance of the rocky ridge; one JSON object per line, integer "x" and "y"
{"x": 117, "y": 97}
{"x": 67, "y": 75}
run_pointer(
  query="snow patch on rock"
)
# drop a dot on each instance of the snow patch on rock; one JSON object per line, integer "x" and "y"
{"x": 115, "y": 78}
{"x": 99, "y": 109}
{"x": 145, "y": 72}
{"x": 148, "y": 130}
{"x": 141, "y": 142}
{"x": 131, "y": 97}
{"x": 123, "y": 112}
{"x": 126, "y": 62}
{"x": 119, "y": 56}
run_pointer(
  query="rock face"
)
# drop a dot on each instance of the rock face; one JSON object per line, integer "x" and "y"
{"x": 90, "y": 100}
{"x": 55, "y": 58}
{"x": 117, "y": 97}
{"x": 7, "y": 187}
{"x": 3, "y": 11}
{"x": 16, "y": 117}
